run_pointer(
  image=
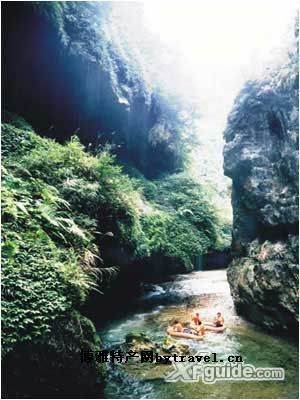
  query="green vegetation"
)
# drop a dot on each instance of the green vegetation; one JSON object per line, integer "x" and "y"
{"x": 49, "y": 250}
{"x": 182, "y": 225}
{"x": 49, "y": 257}
{"x": 58, "y": 203}
{"x": 181, "y": 222}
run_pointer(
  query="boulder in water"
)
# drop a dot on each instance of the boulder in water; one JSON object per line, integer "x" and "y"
{"x": 171, "y": 346}
{"x": 137, "y": 341}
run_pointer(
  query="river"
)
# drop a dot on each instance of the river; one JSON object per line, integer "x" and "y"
{"x": 208, "y": 292}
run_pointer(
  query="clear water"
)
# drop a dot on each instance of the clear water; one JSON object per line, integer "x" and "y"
{"x": 208, "y": 292}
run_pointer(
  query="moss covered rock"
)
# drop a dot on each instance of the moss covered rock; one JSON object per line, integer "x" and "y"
{"x": 171, "y": 346}
{"x": 264, "y": 284}
{"x": 138, "y": 342}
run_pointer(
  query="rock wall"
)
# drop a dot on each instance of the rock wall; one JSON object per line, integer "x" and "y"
{"x": 261, "y": 158}
{"x": 78, "y": 67}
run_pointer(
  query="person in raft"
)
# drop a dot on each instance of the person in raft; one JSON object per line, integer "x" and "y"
{"x": 196, "y": 319}
{"x": 197, "y": 324}
{"x": 218, "y": 321}
{"x": 177, "y": 326}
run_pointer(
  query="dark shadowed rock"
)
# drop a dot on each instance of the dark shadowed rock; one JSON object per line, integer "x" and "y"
{"x": 76, "y": 67}
{"x": 264, "y": 284}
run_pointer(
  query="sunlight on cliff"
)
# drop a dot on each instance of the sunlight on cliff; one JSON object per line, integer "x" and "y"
{"x": 221, "y": 45}
{"x": 223, "y": 42}
{"x": 200, "y": 54}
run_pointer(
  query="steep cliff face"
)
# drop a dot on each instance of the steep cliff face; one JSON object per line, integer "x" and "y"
{"x": 261, "y": 158}
{"x": 79, "y": 67}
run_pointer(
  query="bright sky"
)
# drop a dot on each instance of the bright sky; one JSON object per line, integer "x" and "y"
{"x": 222, "y": 43}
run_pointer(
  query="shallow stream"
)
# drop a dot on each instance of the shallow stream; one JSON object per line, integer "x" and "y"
{"x": 208, "y": 292}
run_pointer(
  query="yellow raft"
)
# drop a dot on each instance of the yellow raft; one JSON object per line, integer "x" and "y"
{"x": 183, "y": 335}
{"x": 217, "y": 329}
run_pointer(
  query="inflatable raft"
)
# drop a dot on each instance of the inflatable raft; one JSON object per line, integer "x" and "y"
{"x": 183, "y": 335}
{"x": 216, "y": 329}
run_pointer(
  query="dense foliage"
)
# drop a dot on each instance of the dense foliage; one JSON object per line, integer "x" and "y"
{"x": 49, "y": 252}
{"x": 183, "y": 222}
{"x": 60, "y": 204}
{"x": 49, "y": 260}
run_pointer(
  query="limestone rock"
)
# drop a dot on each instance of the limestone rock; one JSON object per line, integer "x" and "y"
{"x": 93, "y": 77}
{"x": 138, "y": 342}
{"x": 171, "y": 346}
{"x": 261, "y": 158}
{"x": 264, "y": 284}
